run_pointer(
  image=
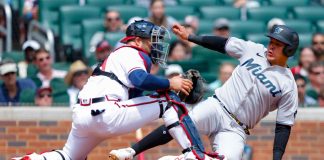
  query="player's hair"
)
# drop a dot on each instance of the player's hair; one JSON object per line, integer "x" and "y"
{"x": 299, "y": 76}
{"x": 314, "y": 65}
{"x": 41, "y": 50}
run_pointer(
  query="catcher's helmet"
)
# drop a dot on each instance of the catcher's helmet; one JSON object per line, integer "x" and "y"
{"x": 285, "y": 35}
{"x": 157, "y": 34}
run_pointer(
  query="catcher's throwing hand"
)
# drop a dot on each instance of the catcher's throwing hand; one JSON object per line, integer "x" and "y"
{"x": 180, "y": 31}
{"x": 180, "y": 84}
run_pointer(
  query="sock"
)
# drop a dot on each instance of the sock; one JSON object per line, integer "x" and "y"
{"x": 157, "y": 137}
{"x": 56, "y": 154}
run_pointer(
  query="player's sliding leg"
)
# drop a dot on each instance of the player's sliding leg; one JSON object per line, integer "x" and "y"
{"x": 157, "y": 137}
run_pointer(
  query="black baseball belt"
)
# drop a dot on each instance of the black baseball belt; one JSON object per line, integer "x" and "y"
{"x": 93, "y": 100}
{"x": 245, "y": 127}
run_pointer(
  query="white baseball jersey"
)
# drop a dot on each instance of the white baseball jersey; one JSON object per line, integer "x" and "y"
{"x": 120, "y": 62}
{"x": 256, "y": 87}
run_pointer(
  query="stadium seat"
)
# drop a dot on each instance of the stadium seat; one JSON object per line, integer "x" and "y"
{"x": 27, "y": 97}
{"x": 49, "y": 12}
{"x": 266, "y": 13}
{"x": 214, "y": 12}
{"x": 129, "y": 11}
{"x": 231, "y": 2}
{"x": 300, "y": 26}
{"x": 199, "y": 3}
{"x": 104, "y": 3}
{"x": 247, "y": 27}
{"x": 70, "y": 25}
{"x": 114, "y": 37}
{"x": 31, "y": 70}
{"x": 16, "y": 56}
{"x": 18, "y": 5}
{"x": 320, "y": 26}
{"x": 60, "y": 96}
{"x": 305, "y": 39}
{"x": 89, "y": 28}
{"x": 179, "y": 12}
{"x": 310, "y": 13}
{"x": 258, "y": 38}
{"x": 198, "y": 64}
{"x": 62, "y": 66}
{"x": 209, "y": 76}
{"x": 212, "y": 59}
{"x": 205, "y": 26}
{"x": 289, "y": 3}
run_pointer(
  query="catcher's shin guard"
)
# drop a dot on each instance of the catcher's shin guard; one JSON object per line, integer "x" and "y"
{"x": 190, "y": 129}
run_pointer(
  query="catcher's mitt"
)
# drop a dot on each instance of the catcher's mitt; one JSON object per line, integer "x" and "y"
{"x": 198, "y": 90}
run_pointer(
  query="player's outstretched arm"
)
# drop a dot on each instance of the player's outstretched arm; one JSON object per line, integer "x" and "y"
{"x": 282, "y": 133}
{"x": 215, "y": 43}
{"x": 146, "y": 81}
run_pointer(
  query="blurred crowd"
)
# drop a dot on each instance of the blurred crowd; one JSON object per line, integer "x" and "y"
{"x": 35, "y": 80}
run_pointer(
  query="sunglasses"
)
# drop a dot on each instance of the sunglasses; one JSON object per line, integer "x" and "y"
{"x": 79, "y": 73}
{"x": 301, "y": 86}
{"x": 317, "y": 73}
{"x": 316, "y": 43}
{"x": 45, "y": 58}
{"x": 43, "y": 95}
{"x": 109, "y": 19}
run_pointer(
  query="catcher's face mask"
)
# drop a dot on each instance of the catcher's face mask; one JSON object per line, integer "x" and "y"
{"x": 160, "y": 46}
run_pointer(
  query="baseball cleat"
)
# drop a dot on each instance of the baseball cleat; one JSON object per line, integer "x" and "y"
{"x": 112, "y": 157}
{"x": 121, "y": 154}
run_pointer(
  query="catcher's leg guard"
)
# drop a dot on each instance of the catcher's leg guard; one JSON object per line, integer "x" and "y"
{"x": 191, "y": 131}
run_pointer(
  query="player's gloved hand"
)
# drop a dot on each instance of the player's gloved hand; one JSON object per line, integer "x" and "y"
{"x": 180, "y": 31}
{"x": 178, "y": 83}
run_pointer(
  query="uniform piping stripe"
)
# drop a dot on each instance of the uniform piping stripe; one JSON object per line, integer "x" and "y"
{"x": 144, "y": 103}
{"x": 133, "y": 69}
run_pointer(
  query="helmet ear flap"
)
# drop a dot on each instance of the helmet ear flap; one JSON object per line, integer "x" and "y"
{"x": 290, "y": 50}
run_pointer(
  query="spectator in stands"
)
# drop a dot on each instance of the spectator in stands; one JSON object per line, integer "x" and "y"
{"x": 158, "y": 16}
{"x": 306, "y": 57}
{"x": 303, "y": 99}
{"x": 274, "y": 21}
{"x": 2, "y": 23}
{"x": 29, "y": 48}
{"x": 192, "y": 21}
{"x": 246, "y": 4}
{"x": 321, "y": 97}
{"x": 146, "y": 3}
{"x": 225, "y": 71}
{"x": 101, "y": 51}
{"x": 221, "y": 27}
{"x": 178, "y": 51}
{"x": 76, "y": 78}
{"x": 46, "y": 72}
{"x": 173, "y": 70}
{"x": 316, "y": 79}
{"x": 112, "y": 23}
{"x": 12, "y": 88}
{"x": 44, "y": 97}
{"x": 318, "y": 45}
{"x": 30, "y": 12}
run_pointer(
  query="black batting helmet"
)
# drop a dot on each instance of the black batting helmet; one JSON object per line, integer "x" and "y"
{"x": 285, "y": 35}
{"x": 158, "y": 36}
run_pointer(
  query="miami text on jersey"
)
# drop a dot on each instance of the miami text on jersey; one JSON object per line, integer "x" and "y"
{"x": 255, "y": 68}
